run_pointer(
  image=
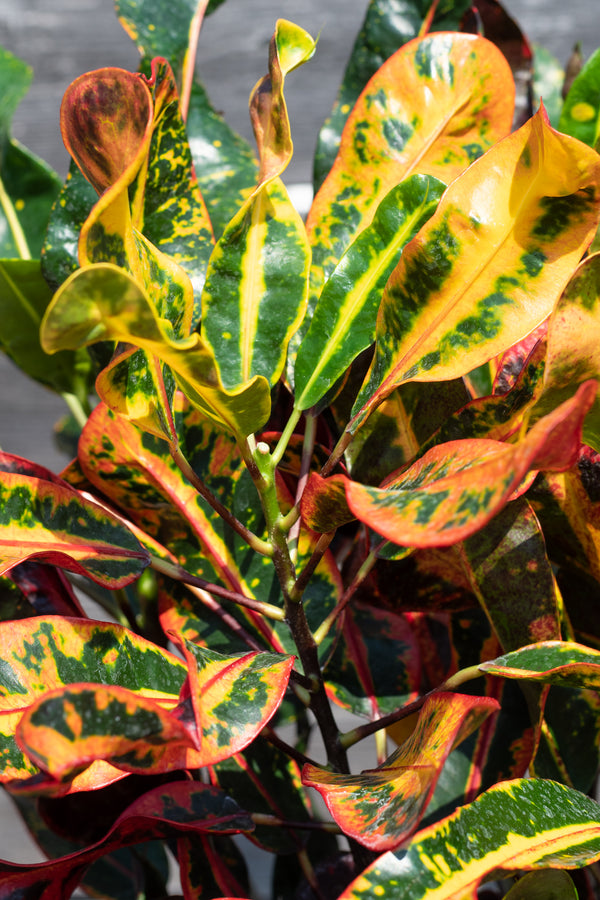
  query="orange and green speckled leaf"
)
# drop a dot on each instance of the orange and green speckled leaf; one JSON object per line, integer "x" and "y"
{"x": 233, "y": 697}
{"x": 51, "y": 522}
{"x": 135, "y": 473}
{"x": 65, "y": 730}
{"x": 550, "y": 662}
{"x": 521, "y": 825}
{"x": 257, "y": 282}
{"x": 103, "y": 302}
{"x": 380, "y": 807}
{"x": 432, "y": 108}
{"x": 174, "y": 810}
{"x": 573, "y": 353}
{"x": 489, "y": 265}
{"x": 455, "y": 488}
{"x": 41, "y": 654}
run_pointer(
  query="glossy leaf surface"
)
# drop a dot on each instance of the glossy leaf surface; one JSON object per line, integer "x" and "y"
{"x": 233, "y": 698}
{"x": 256, "y": 287}
{"x": 48, "y": 521}
{"x": 461, "y": 81}
{"x": 380, "y": 807}
{"x": 455, "y": 488}
{"x": 484, "y": 272}
{"x": 523, "y": 824}
{"x": 103, "y": 302}
{"x": 343, "y": 323}
{"x": 386, "y": 27}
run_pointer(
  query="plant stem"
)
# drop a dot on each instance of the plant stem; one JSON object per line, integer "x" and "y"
{"x": 16, "y": 230}
{"x": 190, "y": 58}
{"x": 273, "y": 738}
{"x": 257, "y": 544}
{"x": 286, "y": 434}
{"x": 337, "y": 453}
{"x": 75, "y": 408}
{"x": 323, "y": 629}
{"x": 178, "y": 574}
{"x": 310, "y": 431}
{"x": 362, "y": 731}
{"x": 306, "y": 574}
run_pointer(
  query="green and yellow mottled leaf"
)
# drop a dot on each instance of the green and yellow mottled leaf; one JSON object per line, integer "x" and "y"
{"x": 433, "y": 107}
{"x": 580, "y": 115}
{"x": 550, "y": 662}
{"x": 102, "y": 302}
{"x": 67, "y": 729}
{"x": 232, "y": 697}
{"x": 51, "y": 522}
{"x": 257, "y": 282}
{"x": 343, "y": 323}
{"x": 455, "y": 488}
{"x": 386, "y": 27}
{"x": 380, "y": 807}
{"x": 489, "y": 265}
{"x": 171, "y": 810}
{"x": 524, "y": 824}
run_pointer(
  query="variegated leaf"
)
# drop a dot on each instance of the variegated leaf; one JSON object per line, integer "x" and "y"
{"x": 65, "y": 730}
{"x": 49, "y": 521}
{"x": 46, "y": 653}
{"x": 455, "y": 488}
{"x": 385, "y": 29}
{"x": 550, "y": 662}
{"x": 343, "y": 323}
{"x": 102, "y": 302}
{"x": 256, "y": 287}
{"x": 232, "y": 697}
{"x": 380, "y": 807}
{"x": 517, "y": 825}
{"x": 483, "y": 273}
{"x": 394, "y": 130}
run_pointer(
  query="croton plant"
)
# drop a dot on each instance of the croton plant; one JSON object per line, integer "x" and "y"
{"x": 341, "y": 465}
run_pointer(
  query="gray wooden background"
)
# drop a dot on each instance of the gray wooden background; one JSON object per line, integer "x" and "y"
{"x": 63, "y": 38}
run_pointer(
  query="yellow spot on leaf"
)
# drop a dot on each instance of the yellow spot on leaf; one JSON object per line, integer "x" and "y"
{"x": 110, "y": 657}
{"x": 583, "y": 112}
{"x": 217, "y": 144}
{"x": 151, "y": 26}
{"x": 226, "y": 335}
{"x": 19, "y": 205}
{"x": 345, "y": 109}
{"x": 379, "y": 890}
{"x": 255, "y": 582}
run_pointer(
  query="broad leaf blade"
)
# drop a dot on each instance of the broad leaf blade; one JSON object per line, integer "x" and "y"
{"x": 102, "y": 302}
{"x": 481, "y": 274}
{"x": 394, "y": 130}
{"x": 343, "y": 323}
{"x": 550, "y": 662}
{"x": 379, "y": 808}
{"x": 516, "y": 825}
{"x": 580, "y": 114}
{"x": 49, "y": 521}
{"x": 253, "y": 301}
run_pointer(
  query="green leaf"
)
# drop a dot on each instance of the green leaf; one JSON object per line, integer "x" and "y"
{"x": 394, "y": 130}
{"x": 343, "y": 323}
{"x": 256, "y": 287}
{"x": 102, "y": 302}
{"x": 550, "y": 662}
{"x": 380, "y": 807}
{"x": 24, "y": 297}
{"x": 516, "y": 825}
{"x": 388, "y": 24}
{"x": 482, "y": 274}
{"x": 28, "y": 187}
{"x": 580, "y": 114}
{"x": 549, "y": 884}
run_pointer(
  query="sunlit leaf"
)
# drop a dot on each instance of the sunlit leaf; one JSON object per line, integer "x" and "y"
{"x": 380, "y": 807}
{"x": 484, "y": 272}
{"x": 550, "y": 662}
{"x": 580, "y": 114}
{"x": 516, "y": 825}
{"x": 394, "y": 130}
